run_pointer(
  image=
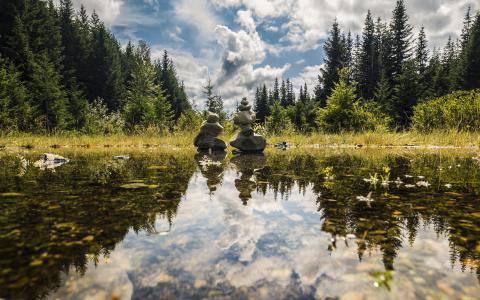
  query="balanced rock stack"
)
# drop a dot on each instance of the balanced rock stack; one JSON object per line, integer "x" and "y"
{"x": 207, "y": 138}
{"x": 246, "y": 140}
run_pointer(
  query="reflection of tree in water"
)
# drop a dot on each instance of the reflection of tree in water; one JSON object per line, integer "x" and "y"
{"x": 394, "y": 211}
{"x": 79, "y": 228}
{"x": 247, "y": 165}
{"x": 211, "y": 166}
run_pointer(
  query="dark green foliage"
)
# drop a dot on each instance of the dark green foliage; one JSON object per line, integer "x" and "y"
{"x": 278, "y": 122}
{"x": 335, "y": 59}
{"x": 261, "y": 105}
{"x": 459, "y": 111}
{"x": 401, "y": 38}
{"x": 406, "y": 94}
{"x": 48, "y": 96}
{"x": 345, "y": 112}
{"x": 174, "y": 91}
{"x": 471, "y": 57}
{"x": 66, "y": 60}
{"x": 15, "y": 110}
{"x": 146, "y": 106}
{"x": 368, "y": 60}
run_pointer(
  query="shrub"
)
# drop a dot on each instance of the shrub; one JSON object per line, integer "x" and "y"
{"x": 279, "y": 121}
{"x": 189, "y": 121}
{"x": 345, "y": 112}
{"x": 459, "y": 111}
{"x": 99, "y": 121}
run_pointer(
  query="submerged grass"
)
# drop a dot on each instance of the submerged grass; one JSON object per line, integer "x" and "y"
{"x": 184, "y": 140}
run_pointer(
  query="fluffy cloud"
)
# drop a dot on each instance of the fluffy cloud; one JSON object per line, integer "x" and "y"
{"x": 109, "y": 11}
{"x": 309, "y": 75}
{"x": 242, "y": 50}
{"x": 309, "y": 20}
{"x": 199, "y": 14}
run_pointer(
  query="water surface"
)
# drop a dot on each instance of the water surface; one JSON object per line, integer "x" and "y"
{"x": 346, "y": 224}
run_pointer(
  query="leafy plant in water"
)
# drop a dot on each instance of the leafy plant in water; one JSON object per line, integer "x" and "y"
{"x": 382, "y": 279}
{"x": 385, "y": 177}
{"x": 328, "y": 173}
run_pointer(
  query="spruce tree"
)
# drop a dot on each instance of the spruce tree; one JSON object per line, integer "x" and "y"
{"x": 421, "y": 59}
{"x": 401, "y": 38}
{"x": 213, "y": 103}
{"x": 15, "y": 110}
{"x": 368, "y": 76}
{"x": 261, "y": 107}
{"x": 283, "y": 94}
{"x": 406, "y": 95}
{"x": 470, "y": 73}
{"x": 276, "y": 91}
{"x": 335, "y": 53}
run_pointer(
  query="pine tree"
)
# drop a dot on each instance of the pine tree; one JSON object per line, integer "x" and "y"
{"x": 276, "y": 91}
{"x": 15, "y": 111}
{"x": 467, "y": 26}
{"x": 318, "y": 92}
{"x": 105, "y": 66}
{"x": 406, "y": 95}
{"x": 335, "y": 53}
{"x": 146, "y": 104}
{"x": 470, "y": 73}
{"x": 48, "y": 96}
{"x": 283, "y": 94}
{"x": 262, "y": 107}
{"x": 290, "y": 100}
{"x": 421, "y": 59}
{"x": 167, "y": 77}
{"x": 214, "y": 103}
{"x": 384, "y": 94}
{"x": 401, "y": 38}
{"x": 368, "y": 76}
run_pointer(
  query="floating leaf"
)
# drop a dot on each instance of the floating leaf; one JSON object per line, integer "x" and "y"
{"x": 137, "y": 185}
{"x": 11, "y": 194}
{"x": 36, "y": 263}
{"x": 89, "y": 238}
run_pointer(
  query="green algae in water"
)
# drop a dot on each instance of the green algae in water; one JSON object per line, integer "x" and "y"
{"x": 241, "y": 227}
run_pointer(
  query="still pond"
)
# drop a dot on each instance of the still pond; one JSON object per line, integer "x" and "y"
{"x": 319, "y": 224}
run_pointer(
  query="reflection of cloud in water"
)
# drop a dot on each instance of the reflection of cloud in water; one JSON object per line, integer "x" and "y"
{"x": 267, "y": 249}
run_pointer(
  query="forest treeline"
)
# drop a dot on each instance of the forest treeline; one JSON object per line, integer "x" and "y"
{"x": 378, "y": 79}
{"x": 62, "y": 69}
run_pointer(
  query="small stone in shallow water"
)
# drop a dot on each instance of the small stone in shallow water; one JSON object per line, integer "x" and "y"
{"x": 121, "y": 157}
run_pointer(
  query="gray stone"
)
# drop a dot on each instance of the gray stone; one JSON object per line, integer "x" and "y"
{"x": 246, "y": 140}
{"x": 207, "y": 138}
{"x": 251, "y": 143}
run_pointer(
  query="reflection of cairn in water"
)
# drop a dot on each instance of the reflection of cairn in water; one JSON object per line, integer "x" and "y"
{"x": 246, "y": 165}
{"x": 210, "y": 165}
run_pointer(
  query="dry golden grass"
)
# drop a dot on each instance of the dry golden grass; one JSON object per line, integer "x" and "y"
{"x": 184, "y": 140}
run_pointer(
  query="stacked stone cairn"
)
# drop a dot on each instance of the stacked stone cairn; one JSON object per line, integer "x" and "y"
{"x": 206, "y": 139}
{"x": 246, "y": 140}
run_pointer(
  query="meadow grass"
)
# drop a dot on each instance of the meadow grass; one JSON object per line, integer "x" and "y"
{"x": 184, "y": 140}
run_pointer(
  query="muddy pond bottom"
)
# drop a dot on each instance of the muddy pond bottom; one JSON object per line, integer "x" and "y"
{"x": 336, "y": 224}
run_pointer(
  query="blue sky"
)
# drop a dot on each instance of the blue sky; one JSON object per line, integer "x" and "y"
{"x": 241, "y": 44}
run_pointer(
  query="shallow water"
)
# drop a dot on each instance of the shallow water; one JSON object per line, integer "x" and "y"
{"x": 349, "y": 224}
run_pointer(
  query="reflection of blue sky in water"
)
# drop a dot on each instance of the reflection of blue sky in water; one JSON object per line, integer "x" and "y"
{"x": 271, "y": 248}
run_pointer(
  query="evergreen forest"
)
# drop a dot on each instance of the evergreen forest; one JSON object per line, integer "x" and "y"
{"x": 64, "y": 70}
